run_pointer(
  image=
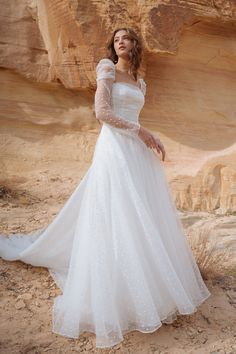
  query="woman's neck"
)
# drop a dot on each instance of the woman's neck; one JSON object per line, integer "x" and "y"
{"x": 123, "y": 65}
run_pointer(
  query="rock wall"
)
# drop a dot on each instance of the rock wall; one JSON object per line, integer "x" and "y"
{"x": 48, "y": 55}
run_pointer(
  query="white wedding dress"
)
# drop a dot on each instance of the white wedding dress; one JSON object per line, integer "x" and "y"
{"x": 117, "y": 248}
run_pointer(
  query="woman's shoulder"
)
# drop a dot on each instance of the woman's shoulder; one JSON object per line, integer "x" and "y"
{"x": 143, "y": 85}
{"x": 105, "y": 69}
{"x": 141, "y": 79}
{"x": 106, "y": 62}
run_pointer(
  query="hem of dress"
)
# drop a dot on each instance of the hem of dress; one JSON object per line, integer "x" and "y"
{"x": 56, "y": 278}
{"x": 175, "y": 313}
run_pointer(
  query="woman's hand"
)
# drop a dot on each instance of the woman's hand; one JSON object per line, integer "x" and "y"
{"x": 151, "y": 141}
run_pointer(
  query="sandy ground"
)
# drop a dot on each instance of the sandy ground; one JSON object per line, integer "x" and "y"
{"x": 27, "y": 295}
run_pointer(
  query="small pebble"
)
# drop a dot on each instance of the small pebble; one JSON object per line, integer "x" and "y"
{"x": 20, "y": 305}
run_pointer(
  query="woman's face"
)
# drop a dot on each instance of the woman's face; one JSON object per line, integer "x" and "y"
{"x": 122, "y": 44}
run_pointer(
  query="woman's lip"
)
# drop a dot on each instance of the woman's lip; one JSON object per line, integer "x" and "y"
{"x": 122, "y": 48}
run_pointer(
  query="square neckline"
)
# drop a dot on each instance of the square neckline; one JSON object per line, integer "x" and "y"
{"x": 138, "y": 87}
{"x": 127, "y": 83}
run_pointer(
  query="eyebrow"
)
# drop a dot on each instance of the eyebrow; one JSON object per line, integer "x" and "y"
{"x": 123, "y": 35}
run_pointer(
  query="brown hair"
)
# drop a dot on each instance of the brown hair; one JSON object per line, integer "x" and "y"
{"x": 135, "y": 53}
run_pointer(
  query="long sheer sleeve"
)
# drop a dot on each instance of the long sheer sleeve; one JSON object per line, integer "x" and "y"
{"x": 105, "y": 71}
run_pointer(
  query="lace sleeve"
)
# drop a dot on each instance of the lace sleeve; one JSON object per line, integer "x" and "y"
{"x": 105, "y": 71}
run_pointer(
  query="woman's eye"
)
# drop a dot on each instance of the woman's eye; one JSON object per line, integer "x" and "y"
{"x": 123, "y": 38}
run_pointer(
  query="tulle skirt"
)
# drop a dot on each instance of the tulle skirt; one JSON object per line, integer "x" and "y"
{"x": 117, "y": 248}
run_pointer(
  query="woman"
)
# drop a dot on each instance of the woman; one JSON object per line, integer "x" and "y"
{"x": 117, "y": 249}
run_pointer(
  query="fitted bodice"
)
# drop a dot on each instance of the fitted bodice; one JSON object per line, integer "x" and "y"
{"x": 127, "y": 100}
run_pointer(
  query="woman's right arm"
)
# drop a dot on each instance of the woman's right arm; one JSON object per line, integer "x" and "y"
{"x": 105, "y": 77}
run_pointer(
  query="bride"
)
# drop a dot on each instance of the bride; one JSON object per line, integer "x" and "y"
{"x": 117, "y": 248}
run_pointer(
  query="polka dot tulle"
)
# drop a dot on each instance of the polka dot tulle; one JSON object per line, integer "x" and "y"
{"x": 117, "y": 248}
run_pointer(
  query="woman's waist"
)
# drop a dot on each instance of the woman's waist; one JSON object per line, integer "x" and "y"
{"x": 124, "y": 131}
{"x": 127, "y": 114}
